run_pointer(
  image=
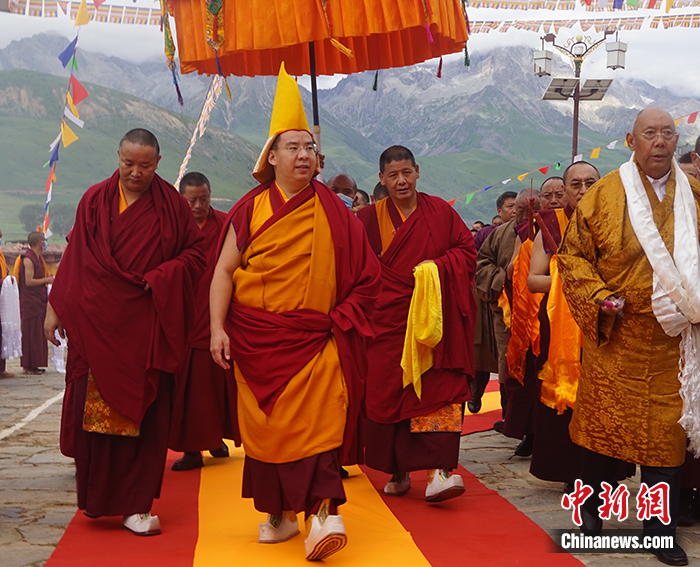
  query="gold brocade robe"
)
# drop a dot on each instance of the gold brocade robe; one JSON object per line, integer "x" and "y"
{"x": 291, "y": 265}
{"x": 628, "y": 402}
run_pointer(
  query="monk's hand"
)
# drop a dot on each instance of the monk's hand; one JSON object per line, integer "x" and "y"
{"x": 146, "y": 287}
{"x": 611, "y": 305}
{"x": 220, "y": 348}
{"x": 423, "y": 262}
{"x": 51, "y": 325}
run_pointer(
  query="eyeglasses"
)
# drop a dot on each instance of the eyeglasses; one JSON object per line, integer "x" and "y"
{"x": 651, "y": 135}
{"x": 577, "y": 184}
{"x": 310, "y": 149}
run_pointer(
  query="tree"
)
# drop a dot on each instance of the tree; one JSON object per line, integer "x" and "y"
{"x": 31, "y": 216}
{"x": 61, "y": 218}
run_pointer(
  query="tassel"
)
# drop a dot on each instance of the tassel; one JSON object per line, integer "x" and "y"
{"x": 218, "y": 66}
{"x": 427, "y": 29}
{"x": 439, "y": 73}
{"x": 467, "y": 61}
{"x": 340, "y": 47}
{"x": 177, "y": 87}
{"x": 376, "y": 77}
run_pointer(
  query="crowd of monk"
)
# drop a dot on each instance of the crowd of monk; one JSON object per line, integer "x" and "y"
{"x": 319, "y": 327}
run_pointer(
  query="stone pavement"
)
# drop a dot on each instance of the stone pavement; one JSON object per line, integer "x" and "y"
{"x": 37, "y": 490}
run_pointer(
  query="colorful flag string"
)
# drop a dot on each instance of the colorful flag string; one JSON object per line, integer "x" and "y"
{"x": 213, "y": 93}
{"x": 594, "y": 154}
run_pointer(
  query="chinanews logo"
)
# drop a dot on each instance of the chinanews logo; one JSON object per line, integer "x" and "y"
{"x": 651, "y": 502}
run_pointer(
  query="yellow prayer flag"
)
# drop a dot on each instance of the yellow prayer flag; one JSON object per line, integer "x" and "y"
{"x": 677, "y": 121}
{"x": 595, "y": 153}
{"x": 625, "y": 141}
{"x": 83, "y": 16}
{"x": 524, "y": 175}
{"x": 669, "y": 3}
{"x": 73, "y": 109}
{"x": 67, "y": 135}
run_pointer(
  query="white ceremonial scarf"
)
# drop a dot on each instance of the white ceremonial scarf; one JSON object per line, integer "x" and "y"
{"x": 675, "y": 297}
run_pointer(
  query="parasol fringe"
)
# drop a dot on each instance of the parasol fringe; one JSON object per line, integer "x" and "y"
{"x": 439, "y": 73}
{"x": 218, "y": 66}
{"x": 177, "y": 87}
{"x": 376, "y": 78}
{"x": 467, "y": 61}
{"x": 340, "y": 47}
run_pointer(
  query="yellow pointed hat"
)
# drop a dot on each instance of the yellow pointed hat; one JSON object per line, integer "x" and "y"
{"x": 287, "y": 114}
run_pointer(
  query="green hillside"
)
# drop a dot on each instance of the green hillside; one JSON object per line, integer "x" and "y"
{"x": 30, "y": 116}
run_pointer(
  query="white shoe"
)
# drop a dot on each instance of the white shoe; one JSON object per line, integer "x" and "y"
{"x": 323, "y": 540}
{"x": 443, "y": 487}
{"x": 285, "y": 531}
{"x": 393, "y": 488}
{"x": 142, "y": 524}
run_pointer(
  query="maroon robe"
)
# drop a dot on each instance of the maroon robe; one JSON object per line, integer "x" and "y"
{"x": 270, "y": 348}
{"x": 204, "y": 392}
{"x": 434, "y": 231}
{"x": 131, "y": 340}
{"x": 32, "y": 305}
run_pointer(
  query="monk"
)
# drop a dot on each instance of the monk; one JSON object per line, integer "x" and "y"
{"x": 554, "y": 457}
{"x": 204, "y": 392}
{"x": 4, "y": 272}
{"x": 124, "y": 295}
{"x": 490, "y": 279}
{"x": 33, "y": 279}
{"x": 291, "y": 300}
{"x": 628, "y": 263}
{"x": 421, "y": 358}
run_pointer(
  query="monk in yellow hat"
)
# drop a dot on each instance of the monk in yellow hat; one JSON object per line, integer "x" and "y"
{"x": 291, "y": 298}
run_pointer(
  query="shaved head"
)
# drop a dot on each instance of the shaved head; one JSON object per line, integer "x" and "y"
{"x": 653, "y": 140}
{"x": 522, "y": 204}
{"x": 650, "y": 111}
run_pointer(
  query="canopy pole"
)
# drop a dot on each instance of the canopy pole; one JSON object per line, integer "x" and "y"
{"x": 314, "y": 100}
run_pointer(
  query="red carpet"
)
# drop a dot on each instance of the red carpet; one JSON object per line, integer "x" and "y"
{"x": 489, "y": 414}
{"x": 478, "y": 528}
{"x": 105, "y": 543}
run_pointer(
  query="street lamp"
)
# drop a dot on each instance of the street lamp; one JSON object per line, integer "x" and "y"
{"x": 577, "y": 49}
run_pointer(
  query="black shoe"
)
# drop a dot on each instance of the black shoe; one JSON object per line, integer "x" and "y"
{"x": 188, "y": 462}
{"x": 91, "y": 516}
{"x": 474, "y": 406}
{"x": 675, "y": 556}
{"x": 590, "y": 524}
{"x": 498, "y": 426}
{"x": 344, "y": 473}
{"x": 525, "y": 447}
{"x": 221, "y": 452}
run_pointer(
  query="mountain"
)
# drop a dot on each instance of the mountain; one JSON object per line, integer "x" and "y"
{"x": 470, "y": 129}
{"x": 30, "y": 113}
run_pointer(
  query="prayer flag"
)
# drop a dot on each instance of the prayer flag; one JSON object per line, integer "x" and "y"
{"x": 617, "y": 5}
{"x": 74, "y": 119}
{"x": 67, "y": 134}
{"x": 692, "y": 118}
{"x": 469, "y": 198}
{"x": 595, "y": 153}
{"x": 55, "y": 142}
{"x": 505, "y": 181}
{"x": 544, "y": 170}
{"x": 69, "y": 100}
{"x": 523, "y": 176}
{"x": 67, "y": 54}
{"x": 51, "y": 178}
{"x": 652, "y": 4}
{"x": 79, "y": 92}
{"x": 669, "y": 3}
{"x": 63, "y": 5}
{"x": 677, "y": 121}
{"x": 632, "y": 2}
{"x": 451, "y": 203}
{"x": 54, "y": 155}
{"x": 83, "y": 16}
{"x": 486, "y": 188}
{"x": 74, "y": 63}
{"x": 558, "y": 166}
{"x": 611, "y": 145}
{"x": 577, "y": 158}
{"x": 98, "y": 3}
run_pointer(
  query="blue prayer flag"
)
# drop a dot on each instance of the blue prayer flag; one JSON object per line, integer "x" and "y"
{"x": 67, "y": 54}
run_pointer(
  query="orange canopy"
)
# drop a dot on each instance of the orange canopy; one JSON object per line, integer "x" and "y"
{"x": 260, "y": 34}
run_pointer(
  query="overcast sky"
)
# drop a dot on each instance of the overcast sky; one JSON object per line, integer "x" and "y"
{"x": 665, "y": 58}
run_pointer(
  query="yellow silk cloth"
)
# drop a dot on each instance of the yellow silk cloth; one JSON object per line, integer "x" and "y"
{"x": 560, "y": 373}
{"x": 504, "y": 304}
{"x": 122, "y": 200}
{"x": 291, "y": 265}
{"x": 3, "y": 267}
{"x": 628, "y": 402}
{"x": 423, "y": 326}
{"x": 524, "y": 323}
{"x": 259, "y": 34}
{"x": 99, "y": 417}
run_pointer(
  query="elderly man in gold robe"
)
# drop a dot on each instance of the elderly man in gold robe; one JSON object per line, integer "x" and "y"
{"x": 634, "y": 237}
